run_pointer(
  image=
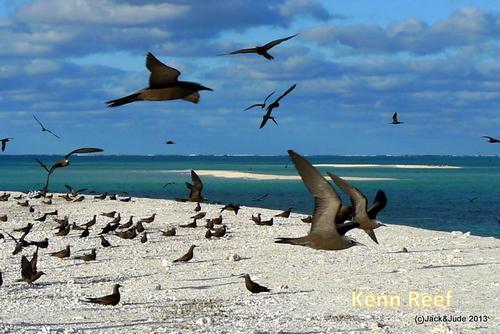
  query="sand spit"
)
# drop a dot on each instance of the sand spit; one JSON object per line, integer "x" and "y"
{"x": 388, "y": 166}
{"x": 312, "y": 291}
{"x": 256, "y": 176}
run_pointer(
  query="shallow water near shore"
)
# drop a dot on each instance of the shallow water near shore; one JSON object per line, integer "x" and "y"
{"x": 423, "y": 191}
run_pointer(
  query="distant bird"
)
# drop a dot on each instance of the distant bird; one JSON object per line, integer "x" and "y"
{"x": 366, "y": 221}
{"x": 215, "y": 221}
{"x": 128, "y": 224}
{"x": 104, "y": 243}
{"x": 199, "y": 215}
{"x": 87, "y": 257}
{"x": 195, "y": 189}
{"x": 63, "y": 231}
{"x": 260, "y": 198}
{"x": 284, "y": 214}
{"x": 261, "y": 105}
{"x": 144, "y": 238}
{"x": 91, "y": 222}
{"x": 62, "y": 253}
{"x": 20, "y": 243}
{"x": 28, "y": 275}
{"x": 1, "y": 279}
{"x": 395, "y": 119}
{"x": 64, "y": 162}
{"x": 256, "y": 219}
{"x": 188, "y": 256}
{"x": 170, "y": 232}
{"x": 190, "y": 225}
{"x": 110, "y": 214}
{"x": 73, "y": 191}
{"x": 4, "y": 142}
{"x": 117, "y": 219}
{"x": 139, "y": 227}
{"x": 261, "y": 50}
{"x": 26, "y": 229}
{"x": 169, "y": 142}
{"x": 167, "y": 184}
{"x": 3, "y": 218}
{"x": 126, "y": 199}
{"x": 44, "y": 129}
{"x": 198, "y": 207}
{"x": 102, "y": 196}
{"x": 473, "y": 199}
{"x": 307, "y": 220}
{"x": 112, "y": 299}
{"x": 324, "y": 233}
{"x": 219, "y": 232}
{"x": 231, "y": 207}
{"x": 267, "y": 116}
{"x": 163, "y": 85}
{"x": 254, "y": 287}
{"x": 85, "y": 233}
{"x": 490, "y": 140}
{"x": 109, "y": 228}
{"x": 269, "y": 222}
{"x": 148, "y": 220}
{"x": 42, "y": 244}
{"x": 41, "y": 218}
{"x": 208, "y": 233}
{"x": 112, "y": 197}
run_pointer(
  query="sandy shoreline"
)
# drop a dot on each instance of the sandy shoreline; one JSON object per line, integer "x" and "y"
{"x": 312, "y": 290}
{"x": 388, "y": 166}
{"x": 258, "y": 176}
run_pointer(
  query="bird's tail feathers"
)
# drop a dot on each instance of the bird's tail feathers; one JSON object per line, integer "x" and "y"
{"x": 124, "y": 100}
{"x": 302, "y": 241}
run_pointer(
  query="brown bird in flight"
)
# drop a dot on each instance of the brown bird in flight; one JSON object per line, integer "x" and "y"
{"x": 44, "y": 129}
{"x": 4, "y": 142}
{"x": 395, "y": 119}
{"x": 163, "y": 85}
{"x": 261, "y": 105}
{"x": 64, "y": 162}
{"x": 261, "y": 50}
{"x": 490, "y": 140}
{"x": 267, "y": 116}
{"x": 195, "y": 189}
{"x": 112, "y": 299}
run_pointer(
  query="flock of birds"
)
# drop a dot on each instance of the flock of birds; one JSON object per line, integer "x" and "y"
{"x": 330, "y": 220}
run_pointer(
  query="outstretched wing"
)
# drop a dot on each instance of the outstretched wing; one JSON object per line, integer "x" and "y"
{"x": 42, "y": 164}
{"x": 249, "y": 50}
{"x": 256, "y": 105}
{"x": 84, "y": 150}
{"x": 267, "y": 97}
{"x": 378, "y": 204}
{"x": 38, "y": 121}
{"x": 286, "y": 93}
{"x": 52, "y": 133}
{"x": 276, "y": 42}
{"x": 358, "y": 200}
{"x": 161, "y": 74}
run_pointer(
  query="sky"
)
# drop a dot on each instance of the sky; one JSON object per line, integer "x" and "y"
{"x": 355, "y": 63}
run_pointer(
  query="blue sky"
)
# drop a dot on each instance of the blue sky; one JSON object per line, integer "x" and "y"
{"x": 354, "y": 62}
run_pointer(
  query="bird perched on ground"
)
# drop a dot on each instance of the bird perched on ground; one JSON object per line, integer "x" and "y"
{"x": 1, "y": 279}
{"x": 42, "y": 244}
{"x": 231, "y": 207}
{"x": 199, "y": 215}
{"x": 395, "y": 119}
{"x": 64, "y": 162}
{"x": 188, "y": 256}
{"x": 195, "y": 189}
{"x": 190, "y": 225}
{"x": 267, "y": 116}
{"x": 44, "y": 129}
{"x": 261, "y": 105}
{"x": 163, "y": 85}
{"x": 112, "y": 299}
{"x": 307, "y": 220}
{"x": 87, "y": 257}
{"x": 219, "y": 232}
{"x": 254, "y": 287}
{"x": 170, "y": 232}
{"x": 102, "y": 196}
{"x": 215, "y": 221}
{"x": 324, "y": 233}
{"x": 256, "y": 219}
{"x": 144, "y": 238}
{"x": 109, "y": 214}
{"x": 492, "y": 140}
{"x": 62, "y": 253}
{"x": 73, "y": 192}
{"x": 284, "y": 214}
{"x": 91, "y": 222}
{"x": 104, "y": 242}
{"x": 148, "y": 220}
{"x": 198, "y": 207}
{"x": 4, "y": 142}
{"x": 261, "y": 50}
{"x": 269, "y": 222}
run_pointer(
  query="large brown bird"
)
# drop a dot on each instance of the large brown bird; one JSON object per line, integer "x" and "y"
{"x": 254, "y": 287}
{"x": 28, "y": 275}
{"x": 195, "y": 189}
{"x": 64, "y": 162}
{"x": 261, "y": 50}
{"x": 112, "y": 299}
{"x": 87, "y": 257}
{"x": 285, "y": 214}
{"x": 267, "y": 116}
{"x": 324, "y": 234}
{"x": 163, "y": 85}
{"x": 188, "y": 256}
{"x": 62, "y": 253}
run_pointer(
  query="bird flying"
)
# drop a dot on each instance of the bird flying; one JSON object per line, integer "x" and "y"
{"x": 274, "y": 105}
{"x": 44, "y": 129}
{"x": 261, "y": 50}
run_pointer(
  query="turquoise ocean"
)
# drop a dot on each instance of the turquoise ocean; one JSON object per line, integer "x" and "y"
{"x": 431, "y": 198}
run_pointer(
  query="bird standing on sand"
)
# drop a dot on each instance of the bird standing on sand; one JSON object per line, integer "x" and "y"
{"x": 148, "y": 220}
{"x": 112, "y": 299}
{"x": 144, "y": 238}
{"x": 170, "y": 232}
{"x": 62, "y": 253}
{"x": 87, "y": 257}
{"x": 261, "y": 105}
{"x": 267, "y": 116}
{"x": 186, "y": 257}
{"x": 231, "y": 207}
{"x": 284, "y": 214}
{"x": 395, "y": 119}
{"x": 198, "y": 207}
{"x": 4, "y": 142}
{"x": 492, "y": 140}
{"x": 104, "y": 243}
{"x": 199, "y": 215}
{"x": 195, "y": 189}
{"x": 163, "y": 85}
{"x": 324, "y": 233}
{"x": 261, "y": 50}
{"x": 64, "y": 162}
{"x": 44, "y": 129}
{"x": 254, "y": 287}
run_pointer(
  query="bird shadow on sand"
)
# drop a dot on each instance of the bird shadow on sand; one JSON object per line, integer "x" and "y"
{"x": 203, "y": 287}
{"x": 458, "y": 265}
{"x": 465, "y": 249}
{"x": 289, "y": 292}
{"x": 205, "y": 278}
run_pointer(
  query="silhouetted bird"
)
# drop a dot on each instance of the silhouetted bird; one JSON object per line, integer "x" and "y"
{"x": 163, "y": 85}
{"x": 267, "y": 116}
{"x": 102, "y": 196}
{"x": 42, "y": 244}
{"x": 261, "y": 50}
{"x": 219, "y": 232}
{"x": 254, "y": 287}
{"x": 216, "y": 221}
{"x": 260, "y": 198}
{"x": 148, "y": 220}
{"x": 85, "y": 233}
{"x": 139, "y": 227}
{"x": 4, "y": 142}
{"x": 91, "y": 222}
{"x": 42, "y": 218}
{"x": 170, "y": 232}
{"x": 126, "y": 199}
{"x": 3, "y": 218}
{"x": 231, "y": 207}
{"x": 44, "y": 129}
{"x": 198, "y": 207}
{"x": 64, "y": 162}
{"x": 104, "y": 242}
{"x": 27, "y": 273}
{"x": 144, "y": 237}
{"x": 62, "y": 253}
{"x": 169, "y": 142}
{"x": 109, "y": 228}
{"x": 73, "y": 191}
{"x": 257, "y": 219}
{"x": 190, "y": 225}
{"x": 79, "y": 199}
{"x": 128, "y": 224}
{"x": 307, "y": 220}
{"x": 492, "y": 140}
{"x": 109, "y": 214}
{"x": 188, "y": 256}
{"x": 112, "y": 299}
{"x": 285, "y": 214}
{"x": 26, "y": 229}
{"x": 167, "y": 184}
{"x": 269, "y": 222}
{"x": 199, "y": 215}
{"x": 63, "y": 231}
{"x": 194, "y": 189}
{"x": 262, "y": 105}
{"x": 87, "y": 257}
{"x": 395, "y": 119}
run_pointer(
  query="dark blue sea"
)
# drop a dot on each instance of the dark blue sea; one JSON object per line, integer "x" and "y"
{"x": 432, "y": 198}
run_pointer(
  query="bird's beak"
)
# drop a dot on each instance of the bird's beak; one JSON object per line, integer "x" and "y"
{"x": 206, "y": 88}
